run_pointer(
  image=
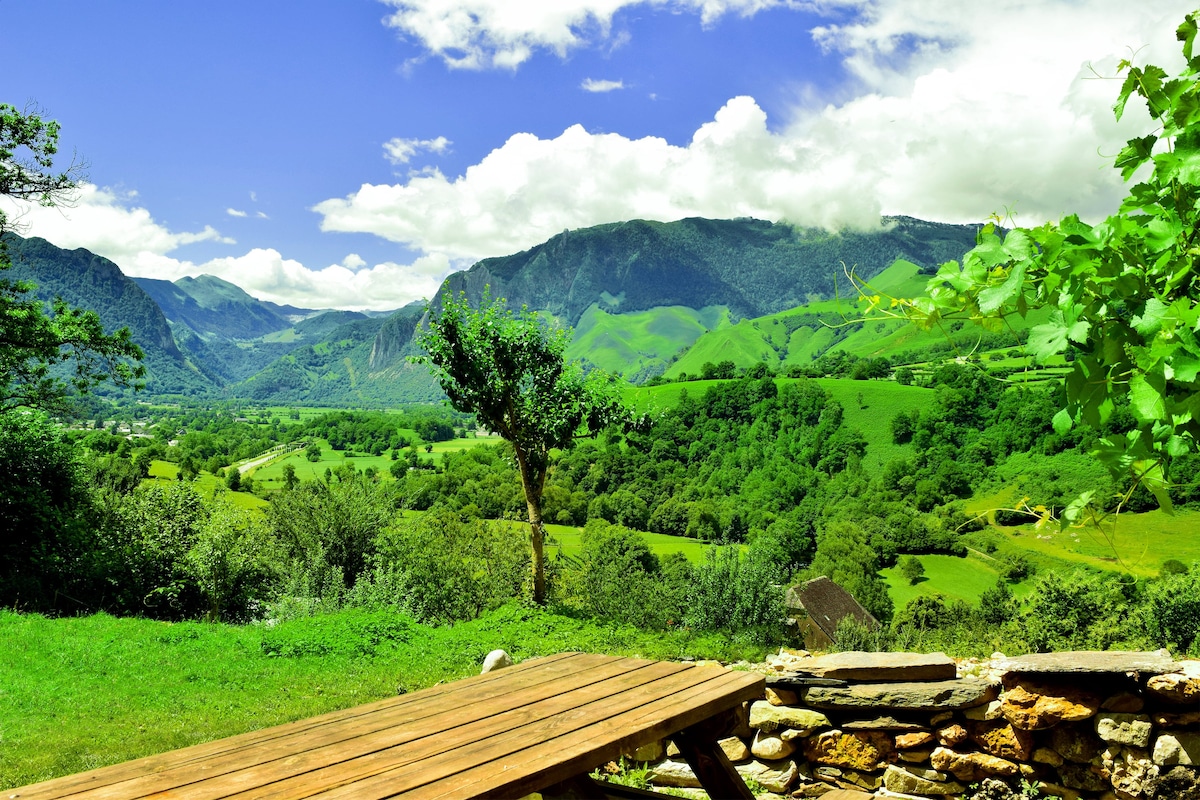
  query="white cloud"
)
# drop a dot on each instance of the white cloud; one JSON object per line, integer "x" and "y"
{"x": 233, "y": 212}
{"x": 477, "y": 34}
{"x": 107, "y": 224}
{"x": 951, "y": 120}
{"x": 261, "y": 215}
{"x": 592, "y": 85}
{"x": 401, "y": 151}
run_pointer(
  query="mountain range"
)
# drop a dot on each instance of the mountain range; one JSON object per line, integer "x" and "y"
{"x": 639, "y": 294}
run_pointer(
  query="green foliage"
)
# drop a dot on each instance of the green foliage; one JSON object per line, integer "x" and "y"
{"x": 32, "y": 342}
{"x": 46, "y": 513}
{"x": 446, "y": 569}
{"x": 912, "y": 569}
{"x": 1124, "y": 294}
{"x": 234, "y": 564}
{"x": 328, "y": 527}
{"x": 738, "y": 594}
{"x": 1078, "y": 611}
{"x": 510, "y": 371}
{"x": 1171, "y": 610}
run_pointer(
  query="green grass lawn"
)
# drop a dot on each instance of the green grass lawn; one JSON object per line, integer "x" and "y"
{"x": 79, "y": 693}
{"x": 872, "y": 414}
{"x": 952, "y": 577}
{"x": 569, "y": 540}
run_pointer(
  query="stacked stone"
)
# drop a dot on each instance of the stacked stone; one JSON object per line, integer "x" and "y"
{"x": 903, "y": 725}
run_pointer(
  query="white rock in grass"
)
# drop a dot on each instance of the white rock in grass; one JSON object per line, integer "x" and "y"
{"x": 495, "y": 660}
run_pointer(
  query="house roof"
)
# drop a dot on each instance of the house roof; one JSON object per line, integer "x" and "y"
{"x": 827, "y": 604}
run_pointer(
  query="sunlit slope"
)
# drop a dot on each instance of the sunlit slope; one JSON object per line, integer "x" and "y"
{"x": 640, "y": 343}
{"x": 868, "y": 406}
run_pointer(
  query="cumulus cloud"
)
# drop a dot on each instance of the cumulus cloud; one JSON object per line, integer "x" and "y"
{"x": 593, "y": 85}
{"x": 401, "y": 151}
{"x": 110, "y": 225}
{"x": 478, "y": 34}
{"x": 948, "y": 120}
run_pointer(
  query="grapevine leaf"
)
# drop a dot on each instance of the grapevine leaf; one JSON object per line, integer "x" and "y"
{"x": 1135, "y": 153}
{"x": 1062, "y": 422}
{"x": 1151, "y": 319}
{"x": 1146, "y": 391}
{"x": 994, "y": 297}
{"x": 1154, "y": 479}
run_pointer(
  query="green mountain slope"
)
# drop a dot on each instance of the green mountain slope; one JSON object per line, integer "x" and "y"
{"x": 750, "y": 266}
{"x": 90, "y": 281}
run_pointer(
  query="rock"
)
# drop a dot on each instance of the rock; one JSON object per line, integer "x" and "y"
{"x": 1124, "y": 703}
{"x": 649, "y": 752}
{"x": 882, "y": 724}
{"x": 764, "y": 716}
{"x": 778, "y": 696}
{"x": 771, "y": 747}
{"x": 907, "y": 741}
{"x": 971, "y": 766}
{"x": 1076, "y": 743}
{"x": 906, "y": 781}
{"x": 495, "y": 660}
{"x": 888, "y": 667}
{"x": 993, "y": 710}
{"x": 1181, "y": 689}
{"x": 791, "y": 735}
{"x": 674, "y": 773}
{"x": 861, "y": 780}
{"x": 735, "y": 749}
{"x": 912, "y": 696}
{"x": 777, "y": 776}
{"x": 915, "y": 756}
{"x": 1089, "y": 662}
{"x": 1083, "y": 778}
{"x": 1044, "y": 755}
{"x": 856, "y": 750}
{"x": 939, "y": 718}
{"x": 1178, "y": 783}
{"x": 673, "y": 750}
{"x": 1128, "y": 729}
{"x": 951, "y": 735}
{"x": 1177, "y": 748}
{"x": 999, "y": 738}
{"x": 1035, "y": 706}
{"x": 1129, "y": 769}
{"x": 1184, "y": 720}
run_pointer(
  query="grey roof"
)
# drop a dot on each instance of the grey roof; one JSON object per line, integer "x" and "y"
{"x": 827, "y": 604}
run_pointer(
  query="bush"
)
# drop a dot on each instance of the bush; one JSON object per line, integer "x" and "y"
{"x": 738, "y": 594}
{"x": 1171, "y": 610}
{"x": 446, "y": 569}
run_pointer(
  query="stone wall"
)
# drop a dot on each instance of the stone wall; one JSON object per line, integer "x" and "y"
{"x": 1073, "y": 725}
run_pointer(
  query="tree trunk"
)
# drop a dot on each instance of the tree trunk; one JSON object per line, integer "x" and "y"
{"x": 533, "y": 481}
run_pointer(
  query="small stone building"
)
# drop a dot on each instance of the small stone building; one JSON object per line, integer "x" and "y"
{"x": 817, "y": 606}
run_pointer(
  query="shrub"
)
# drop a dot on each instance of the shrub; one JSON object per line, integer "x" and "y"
{"x": 1171, "y": 610}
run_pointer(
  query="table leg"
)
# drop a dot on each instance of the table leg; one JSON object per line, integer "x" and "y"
{"x": 698, "y": 744}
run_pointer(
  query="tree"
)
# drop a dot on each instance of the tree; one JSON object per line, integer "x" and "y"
{"x": 510, "y": 371}
{"x": 1124, "y": 294}
{"x": 912, "y": 569}
{"x": 32, "y": 342}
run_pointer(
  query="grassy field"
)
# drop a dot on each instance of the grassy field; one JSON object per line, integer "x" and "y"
{"x": 78, "y": 693}
{"x": 952, "y": 577}
{"x": 569, "y": 541}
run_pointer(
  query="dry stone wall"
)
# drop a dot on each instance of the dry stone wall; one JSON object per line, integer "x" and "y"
{"x": 901, "y": 725}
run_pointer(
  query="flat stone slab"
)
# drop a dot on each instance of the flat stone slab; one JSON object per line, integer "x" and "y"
{"x": 884, "y": 667}
{"x": 883, "y": 724}
{"x": 910, "y": 696}
{"x": 1090, "y": 662}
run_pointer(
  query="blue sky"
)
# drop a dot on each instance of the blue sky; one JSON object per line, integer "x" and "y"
{"x": 349, "y": 154}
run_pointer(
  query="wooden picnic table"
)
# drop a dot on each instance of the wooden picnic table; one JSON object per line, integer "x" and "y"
{"x": 541, "y": 725}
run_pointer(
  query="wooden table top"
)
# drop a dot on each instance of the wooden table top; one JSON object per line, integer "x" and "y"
{"x": 502, "y": 734}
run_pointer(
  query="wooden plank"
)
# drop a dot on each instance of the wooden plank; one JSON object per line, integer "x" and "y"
{"x": 299, "y": 774}
{"x": 256, "y": 765}
{"x": 70, "y": 785}
{"x": 578, "y": 742}
{"x": 500, "y": 751}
